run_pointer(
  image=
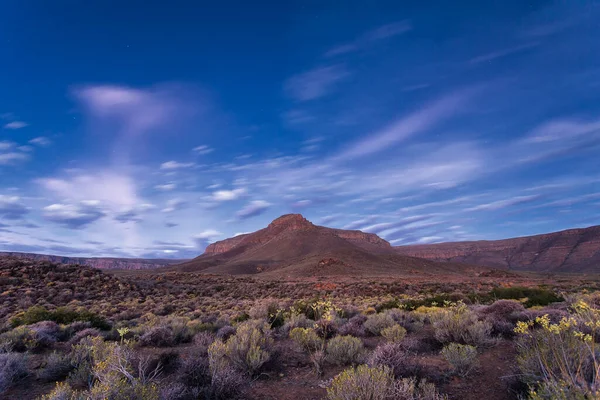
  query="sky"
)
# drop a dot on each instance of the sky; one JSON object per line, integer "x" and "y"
{"x": 152, "y": 128}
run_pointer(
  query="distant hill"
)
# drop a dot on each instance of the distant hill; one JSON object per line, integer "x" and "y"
{"x": 98, "y": 262}
{"x": 569, "y": 251}
{"x": 291, "y": 246}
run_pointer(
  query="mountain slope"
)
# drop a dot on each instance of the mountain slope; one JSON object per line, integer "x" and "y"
{"x": 97, "y": 262}
{"x": 572, "y": 251}
{"x": 291, "y": 246}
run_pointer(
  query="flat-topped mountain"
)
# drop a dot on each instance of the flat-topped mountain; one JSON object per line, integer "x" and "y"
{"x": 98, "y": 262}
{"x": 292, "y": 246}
{"x": 573, "y": 251}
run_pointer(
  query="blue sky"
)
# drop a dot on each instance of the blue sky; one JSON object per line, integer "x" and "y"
{"x": 153, "y": 128}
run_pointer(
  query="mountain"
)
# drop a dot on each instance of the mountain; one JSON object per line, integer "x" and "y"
{"x": 98, "y": 262}
{"x": 571, "y": 251}
{"x": 291, "y": 246}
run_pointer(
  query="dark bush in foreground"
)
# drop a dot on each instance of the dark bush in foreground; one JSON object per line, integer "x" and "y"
{"x": 12, "y": 369}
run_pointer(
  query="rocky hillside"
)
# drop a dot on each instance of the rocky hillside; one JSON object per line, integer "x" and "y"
{"x": 97, "y": 262}
{"x": 571, "y": 251}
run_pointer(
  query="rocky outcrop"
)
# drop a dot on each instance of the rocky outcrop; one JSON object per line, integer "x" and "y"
{"x": 573, "y": 250}
{"x": 100, "y": 263}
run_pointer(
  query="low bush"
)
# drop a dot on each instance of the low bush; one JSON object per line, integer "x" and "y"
{"x": 377, "y": 322}
{"x": 362, "y": 383}
{"x": 306, "y": 338}
{"x": 56, "y": 368}
{"x": 23, "y": 338}
{"x": 462, "y": 358}
{"x": 12, "y": 369}
{"x": 158, "y": 336}
{"x": 394, "y": 333}
{"x": 247, "y": 350}
{"x": 354, "y": 326}
{"x": 87, "y": 332}
{"x": 225, "y": 332}
{"x": 533, "y": 296}
{"x": 344, "y": 350}
{"x": 61, "y": 315}
{"x": 410, "y": 389}
{"x": 561, "y": 357}
{"x": 389, "y": 355}
{"x": 460, "y": 325}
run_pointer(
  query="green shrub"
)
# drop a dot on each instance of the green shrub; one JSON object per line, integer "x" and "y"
{"x": 377, "y": 322}
{"x": 246, "y": 351}
{"x": 306, "y": 338}
{"x": 395, "y": 333}
{"x": 460, "y": 325}
{"x": 362, "y": 383}
{"x": 344, "y": 350}
{"x": 534, "y": 296}
{"x": 462, "y": 358}
{"x": 61, "y": 315}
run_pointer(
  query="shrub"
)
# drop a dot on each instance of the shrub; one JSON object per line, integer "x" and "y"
{"x": 462, "y": 358}
{"x": 56, "y": 368}
{"x": 534, "y": 296}
{"x": 561, "y": 356}
{"x": 247, "y": 350}
{"x": 389, "y": 355}
{"x": 159, "y": 336}
{"x": 409, "y": 389}
{"x": 75, "y": 327}
{"x": 326, "y": 327}
{"x": 460, "y": 325}
{"x": 344, "y": 350}
{"x": 87, "y": 332}
{"x": 12, "y": 369}
{"x": 361, "y": 383}
{"x": 306, "y": 338}
{"x": 226, "y": 383}
{"x": 24, "y": 338}
{"x": 354, "y": 326}
{"x": 194, "y": 369}
{"x": 203, "y": 339}
{"x": 394, "y": 333}
{"x": 377, "y": 322}
{"x": 61, "y": 315}
{"x": 225, "y": 332}
{"x": 62, "y": 391}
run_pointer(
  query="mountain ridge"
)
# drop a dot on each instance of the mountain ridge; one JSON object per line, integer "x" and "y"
{"x": 574, "y": 250}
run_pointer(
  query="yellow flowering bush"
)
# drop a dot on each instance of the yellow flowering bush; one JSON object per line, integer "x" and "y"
{"x": 559, "y": 360}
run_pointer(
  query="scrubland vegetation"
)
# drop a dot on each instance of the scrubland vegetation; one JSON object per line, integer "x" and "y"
{"x": 75, "y": 333}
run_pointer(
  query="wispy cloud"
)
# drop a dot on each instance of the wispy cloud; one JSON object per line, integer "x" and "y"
{"x": 377, "y": 34}
{"x": 16, "y": 125}
{"x": 315, "y": 83}
{"x": 228, "y": 195}
{"x": 254, "y": 208}
{"x": 405, "y": 127}
{"x": 166, "y": 187}
{"x": 41, "y": 141}
{"x": 500, "y": 204}
{"x": 174, "y": 165}
{"x": 502, "y": 53}
{"x": 202, "y": 150}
